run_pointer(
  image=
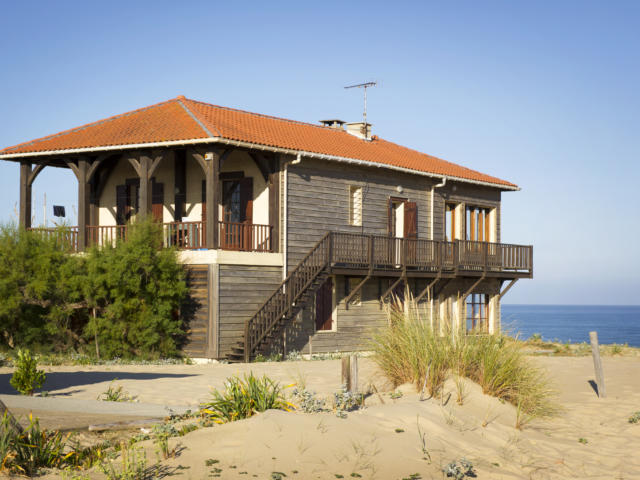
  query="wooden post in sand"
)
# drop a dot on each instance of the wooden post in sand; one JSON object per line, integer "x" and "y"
{"x": 12, "y": 421}
{"x": 597, "y": 364}
{"x": 350, "y": 373}
{"x": 354, "y": 374}
{"x": 346, "y": 373}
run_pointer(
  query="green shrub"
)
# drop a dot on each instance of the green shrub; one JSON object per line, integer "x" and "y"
{"x": 137, "y": 288}
{"x": 26, "y": 376}
{"x": 243, "y": 398}
{"x": 408, "y": 350}
{"x": 39, "y": 287}
{"x": 635, "y": 418}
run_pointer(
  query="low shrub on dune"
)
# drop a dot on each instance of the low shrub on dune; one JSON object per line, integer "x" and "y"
{"x": 410, "y": 350}
{"x": 243, "y": 398}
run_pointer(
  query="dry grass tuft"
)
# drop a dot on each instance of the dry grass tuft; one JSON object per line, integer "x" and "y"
{"x": 409, "y": 350}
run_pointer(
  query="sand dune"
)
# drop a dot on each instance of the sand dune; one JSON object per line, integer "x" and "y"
{"x": 384, "y": 441}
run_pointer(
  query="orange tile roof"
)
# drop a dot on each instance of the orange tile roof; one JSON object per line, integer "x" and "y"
{"x": 181, "y": 119}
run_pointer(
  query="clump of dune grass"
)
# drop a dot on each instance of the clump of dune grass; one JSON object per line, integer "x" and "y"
{"x": 244, "y": 397}
{"x": 410, "y": 350}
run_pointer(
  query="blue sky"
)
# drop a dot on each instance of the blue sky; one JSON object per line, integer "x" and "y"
{"x": 545, "y": 94}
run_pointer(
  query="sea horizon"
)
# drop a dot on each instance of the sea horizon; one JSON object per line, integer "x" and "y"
{"x": 572, "y": 323}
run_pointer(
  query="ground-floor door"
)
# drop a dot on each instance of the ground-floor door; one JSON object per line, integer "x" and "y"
{"x": 324, "y": 306}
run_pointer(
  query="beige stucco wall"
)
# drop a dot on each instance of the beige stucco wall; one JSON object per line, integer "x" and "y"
{"x": 237, "y": 161}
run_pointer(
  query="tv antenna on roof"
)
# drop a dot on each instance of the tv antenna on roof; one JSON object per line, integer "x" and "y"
{"x": 364, "y": 86}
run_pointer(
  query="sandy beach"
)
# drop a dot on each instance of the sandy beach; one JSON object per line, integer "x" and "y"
{"x": 391, "y": 437}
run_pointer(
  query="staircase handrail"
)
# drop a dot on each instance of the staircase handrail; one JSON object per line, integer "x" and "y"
{"x": 292, "y": 287}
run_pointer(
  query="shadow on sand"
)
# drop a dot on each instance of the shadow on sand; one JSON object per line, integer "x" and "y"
{"x": 62, "y": 380}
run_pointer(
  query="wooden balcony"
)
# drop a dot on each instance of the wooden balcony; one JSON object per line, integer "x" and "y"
{"x": 244, "y": 237}
{"x": 358, "y": 254}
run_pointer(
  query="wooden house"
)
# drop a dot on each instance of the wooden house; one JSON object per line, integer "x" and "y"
{"x": 295, "y": 234}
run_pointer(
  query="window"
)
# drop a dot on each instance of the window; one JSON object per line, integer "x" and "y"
{"x": 478, "y": 224}
{"x": 477, "y": 313}
{"x": 353, "y": 282}
{"x": 355, "y": 205}
{"x": 450, "y": 222}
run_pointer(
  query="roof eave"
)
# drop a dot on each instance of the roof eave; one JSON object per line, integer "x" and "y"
{"x": 195, "y": 141}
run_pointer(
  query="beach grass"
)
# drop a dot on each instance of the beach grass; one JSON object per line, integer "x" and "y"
{"x": 409, "y": 350}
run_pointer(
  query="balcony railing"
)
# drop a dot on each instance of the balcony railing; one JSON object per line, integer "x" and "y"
{"x": 245, "y": 237}
{"x": 347, "y": 250}
{"x": 379, "y": 252}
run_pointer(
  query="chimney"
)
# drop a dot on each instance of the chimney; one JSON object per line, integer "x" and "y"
{"x": 333, "y": 123}
{"x": 360, "y": 129}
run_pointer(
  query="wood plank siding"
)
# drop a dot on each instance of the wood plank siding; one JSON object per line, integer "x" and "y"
{"x": 195, "y": 311}
{"x": 318, "y": 194}
{"x": 466, "y": 194}
{"x": 242, "y": 290}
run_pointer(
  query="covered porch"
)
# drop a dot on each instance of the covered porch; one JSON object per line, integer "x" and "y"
{"x": 174, "y": 187}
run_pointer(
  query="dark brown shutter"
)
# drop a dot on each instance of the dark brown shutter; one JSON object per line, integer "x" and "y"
{"x": 121, "y": 204}
{"x": 410, "y": 220}
{"x": 246, "y": 200}
{"x": 324, "y": 306}
{"x": 390, "y": 218}
{"x": 157, "y": 201}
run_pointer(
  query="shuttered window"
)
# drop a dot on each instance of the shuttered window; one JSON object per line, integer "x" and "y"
{"x": 355, "y": 205}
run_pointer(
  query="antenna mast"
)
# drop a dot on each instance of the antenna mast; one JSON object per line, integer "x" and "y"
{"x": 364, "y": 86}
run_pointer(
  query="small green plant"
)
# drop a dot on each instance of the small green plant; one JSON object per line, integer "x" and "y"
{"x": 115, "y": 394}
{"x": 36, "y": 448}
{"x": 26, "y": 377}
{"x": 274, "y": 357}
{"x": 211, "y": 461}
{"x": 307, "y": 401}
{"x": 635, "y": 418}
{"x": 459, "y": 469}
{"x": 244, "y": 397}
{"x": 583, "y": 440}
{"x": 7, "y": 435}
{"x": 345, "y": 401}
{"x": 161, "y": 434}
{"x": 277, "y": 475}
{"x": 133, "y": 464}
{"x": 395, "y": 395}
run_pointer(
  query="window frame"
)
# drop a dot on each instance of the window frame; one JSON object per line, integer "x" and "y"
{"x": 351, "y": 189}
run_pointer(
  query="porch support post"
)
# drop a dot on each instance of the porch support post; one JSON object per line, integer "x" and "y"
{"x": 84, "y": 202}
{"x": 210, "y": 162}
{"x": 145, "y": 166}
{"x": 25, "y": 195}
{"x": 212, "y": 159}
{"x": 274, "y": 204}
{"x": 145, "y": 187}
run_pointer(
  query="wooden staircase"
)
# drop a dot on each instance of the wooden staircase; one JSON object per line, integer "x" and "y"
{"x": 296, "y": 292}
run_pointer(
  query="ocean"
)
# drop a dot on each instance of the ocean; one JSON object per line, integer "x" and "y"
{"x": 572, "y": 323}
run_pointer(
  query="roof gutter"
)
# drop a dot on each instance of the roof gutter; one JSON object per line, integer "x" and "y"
{"x": 257, "y": 146}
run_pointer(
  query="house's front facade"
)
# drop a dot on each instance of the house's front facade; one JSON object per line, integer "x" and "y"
{"x": 313, "y": 228}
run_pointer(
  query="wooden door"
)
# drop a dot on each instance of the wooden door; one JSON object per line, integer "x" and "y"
{"x": 324, "y": 306}
{"x": 237, "y": 214}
